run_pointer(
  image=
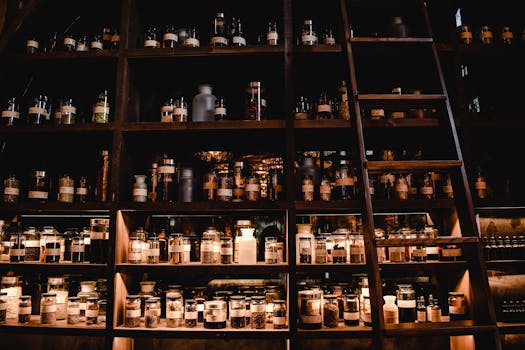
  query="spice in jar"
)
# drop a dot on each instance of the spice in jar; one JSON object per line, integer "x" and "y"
{"x": 238, "y": 311}
{"x": 101, "y": 109}
{"x": 68, "y": 112}
{"x": 272, "y": 36}
{"x": 308, "y": 35}
{"x": 279, "y": 314}
{"x": 32, "y": 45}
{"x": 226, "y": 250}
{"x": 465, "y": 35}
{"x": 190, "y": 313}
{"x": 330, "y": 311}
{"x": 132, "y": 313}
{"x": 215, "y": 314}
{"x": 307, "y": 188}
{"x": 10, "y": 113}
{"x": 192, "y": 38}
{"x": 485, "y": 35}
{"x": 150, "y": 38}
{"x": 151, "y": 314}
{"x": 38, "y": 112}
{"x": 3, "y": 307}
{"x": 170, "y": 37}
{"x": 252, "y": 187}
{"x": 48, "y": 309}
{"x": 258, "y": 312}
{"x": 92, "y": 309}
{"x": 225, "y": 187}
{"x": 66, "y": 188}
{"x": 255, "y": 108}
{"x": 24, "y": 309}
{"x": 73, "y": 310}
{"x": 174, "y": 310}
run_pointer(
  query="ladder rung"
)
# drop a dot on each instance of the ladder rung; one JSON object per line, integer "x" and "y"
{"x": 412, "y": 165}
{"x": 402, "y": 97}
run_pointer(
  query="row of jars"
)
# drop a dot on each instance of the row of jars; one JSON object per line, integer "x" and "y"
{"x": 397, "y": 113}
{"x": 213, "y": 248}
{"x": 486, "y": 35}
{"x": 207, "y": 107}
{"x": 55, "y": 304}
{"x": 65, "y": 112}
{"x": 241, "y": 309}
{"x": 325, "y": 106}
{"x": 412, "y": 185}
{"x": 167, "y": 182}
{"x": 50, "y": 246}
{"x": 108, "y": 39}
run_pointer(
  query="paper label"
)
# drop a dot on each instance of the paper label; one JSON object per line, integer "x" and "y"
{"x": 456, "y": 310}
{"x": 239, "y": 40}
{"x": 37, "y": 194}
{"x": 427, "y": 190}
{"x": 507, "y": 35}
{"x": 422, "y": 316}
{"x": 166, "y": 169}
{"x": 101, "y": 109}
{"x": 66, "y": 190}
{"x": 325, "y": 189}
{"x": 225, "y": 192}
{"x": 446, "y": 189}
{"x": 73, "y": 311}
{"x": 17, "y": 252}
{"x": 209, "y": 185}
{"x": 170, "y": 36}
{"x": 351, "y": 316}
{"x": 132, "y": 313}
{"x": 166, "y": 109}
{"x": 81, "y": 47}
{"x": 151, "y": 43}
{"x": 308, "y": 38}
{"x": 486, "y": 35}
{"x": 192, "y": 42}
{"x": 219, "y": 40}
{"x": 465, "y": 35}
{"x": 402, "y": 188}
{"x": 68, "y": 109}
{"x": 140, "y": 192}
{"x": 174, "y": 248}
{"x": 77, "y": 248}
{"x": 280, "y": 321}
{"x": 48, "y": 308}
{"x": 12, "y": 191}
{"x": 191, "y": 315}
{"x": 32, "y": 43}
{"x": 26, "y": 310}
{"x": 153, "y": 252}
{"x": 219, "y": 111}
{"x": 347, "y": 181}
{"x": 433, "y": 250}
{"x": 69, "y": 41}
{"x": 219, "y": 317}
{"x": 91, "y": 313}
{"x": 408, "y": 304}
{"x": 37, "y": 110}
{"x": 307, "y": 188}
{"x": 451, "y": 252}
{"x": 173, "y": 314}
{"x": 377, "y": 113}
{"x": 252, "y": 188}
{"x": 96, "y": 45}
{"x": 81, "y": 191}
{"x": 52, "y": 251}
{"x": 324, "y": 108}
{"x": 237, "y": 313}
{"x": 272, "y": 36}
{"x": 480, "y": 185}
{"x": 10, "y": 114}
{"x": 180, "y": 111}
{"x": 200, "y": 307}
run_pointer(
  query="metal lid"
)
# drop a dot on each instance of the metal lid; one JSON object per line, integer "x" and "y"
{"x": 49, "y": 295}
{"x": 238, "y": 297}
{"x": 456, "y": 294}
{"x": 244, "y": 222}
{"x": 133, "y": 296}
{"x": 254, "y": 84}
{"x": 92, "y": 299}
{"x": 219, "y": 14}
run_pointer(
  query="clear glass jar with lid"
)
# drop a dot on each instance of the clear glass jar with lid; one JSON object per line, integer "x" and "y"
{"x": 308, "y": 34}
{"x": 215, "y": 314}
{"x": 320, "y": 250}
{"x": 357, "y": 248}
{"x": 176, "y": 248}
{"x": 12, "y": 286}
{"x": 132, "y": 311}
{"x": 147, "y": 290}
{"x": 304, "y": 240}
{"x": 153, "y": 253}
{"x": 11, "y": 190}
{"x": 279, "y": 314}
{"x": 406, "y": 301}
{"x": 238, "y": 311}
{"x": 174, "y": 310}
{"x": 190, "y": 313}
{"x": 39, "y": 187}
{"x": 330, "y": 311}
{"x": 87, "y": 290}
{"x": 135, "y": 250}
{"x": 24, "y": 309}
{"x": 215, "y": 235}
{"x": 151, "y": 314}
{"x": 57, "y": 285}
{"x": 457, "y": 306}
{"x": 258, "y": 312}
{"x": 351, "y": 310}
{"x": 48, "y": 309}
{"x": 92, "y": 310}
{"x": 310, "y": 309}
{"x": 73, "y": 310}
{"x": 17, "y": 249}
{"x": 340, "y": 247}
{"x": 396, "y": 254}
{"x": 255, "y": 107}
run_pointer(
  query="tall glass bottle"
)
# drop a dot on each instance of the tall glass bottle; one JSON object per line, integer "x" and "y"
{"x": 344, "y": 180}
{"x": 203, "y": 104}
{"x": 219, "y": 33}
{"x": 238, "y": 182}
{"x": 166, "y": 181}
{"x": 101, "y": 191}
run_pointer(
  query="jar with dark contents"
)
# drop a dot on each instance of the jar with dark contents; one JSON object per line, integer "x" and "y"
{"x": 330, "y": 311}
{"x": 507, "y": 37}
{"x": 24, "y": 309}
{"x": 238, "y": 311}
{"x": 82, "y": 43}
{"x": 190, "y": 313}
{"x": 279, "y": 314}
{"x": 351, "y": 310}
{"x": 465, "y": 34}
{"x": 48, "y": 309}
{"x": 226, "y": 250}
{"x": 174, "y": 310}
{"x": 485, "y": 35}
{"x": 11, "y": 189}
{"x": 73, "y": 310}
{"x": 151, "y": 314}
{"x": 170, "y": 37}
{"x": 258, "y": 312}
{"x": 218, "y": 36}
{"x": 17, "y": 250}
{"x": 150, "y": 38}
{"x": 255, "y": 107}
{"x": 69, "y": 43}
{"x": 132, "y": 311}
{"x": 310, "y": 309}
{"x": 192, "y": 38}
{"x": 219, "y": 112}
{"x": 252, "y": 187}
{"x": 32, "y": 45}
{"x": 96, "y": 42}
{"x": 68, "y": 112}
{"x": 52, "y": 248}
{"x": 215, "y": 314}
{"x": 225, "y": 187}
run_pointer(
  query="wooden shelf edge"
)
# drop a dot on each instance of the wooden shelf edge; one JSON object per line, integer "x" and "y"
{"x": 337, "y": 332}
{"x": 57, "y": 129}
{"x": 370, "y": 39}
{"x": 428, "y": 265}
{"x": 204, "y": 206}
{"x": 322, "y": 124}
{"x": 319, "y": 268}
{"x": 398, "y": 205}
{"x": 402, "y": 97}
{"x": 415, "y": 165}
{"x": 200, "y": 332}
{"x": 511, "y": 328}
{"x": 61, "y": 55}
{"x": 401, "y": 242}
{"x": 437, "y": 328}
{"x": 61, "y": 328}
{"x": 55, "y": 207}
{"x": 352, "y": 205}
{"x": 505, "y": 264}
{"x": 259, "y": 268}
{"x": 140, "y": 53}
{"x": 401, "y": 123}
{"x": 319, "y": 48}
{"x": 205, "y": 126}
{"x": 65, "y": 266}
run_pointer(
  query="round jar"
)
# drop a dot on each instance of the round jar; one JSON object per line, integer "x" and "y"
{"x": 174, "y": 310}
{"x": 73, "y": 310}
{"x": 132, "y": 313}
{"x": 215, "y": 314}
{"x": 310, "y": 309}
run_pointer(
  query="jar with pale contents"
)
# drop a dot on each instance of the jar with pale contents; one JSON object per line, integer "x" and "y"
{"x": 174, "y": 310}
{"x": 48, "y": 309}
{"x": 132, "y": 312}
{"x": 73, "y": 310}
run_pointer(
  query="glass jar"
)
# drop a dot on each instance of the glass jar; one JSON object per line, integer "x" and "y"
{"x": 153, "y": 252}
{"x": 32, "y": 45}
{"x": 255, "y": 107}
{"x": 457, "y": 306}
{"x": 272, "y": 35}
{"x": 465, "y": 34}
{"x": 82, "y": 43}
{"x": 92, "y": 311}
{"x": 151, "y": 38}
{"x": 330, "y": 311}
{"x": 176, "y": 248}
{"x": 24, "y": 309}
{"x": 328, "y": 37}
{"x": 351, "y": 310}
{"x": 210, "y": 185}
{"x": 11, "y": 190}
{"x": 151, "y": 313}
{"x": 310, "y": 309}
{"x": 485, "y": 35}
{"x": 32, "y": 244}
{"x": 115, "y": 40}
{"x": 180, "y": 110}
{"x": 307, "y": 188}
{"x": 364, "y": 303}
{"x": 325, "y": 190}
{"x": 190, "y": 313}
{"x": 3, "y": 307}
{"x": 324, "y": 107}
{"x": 66, "y": 190}
{"x": 82, "y": 190}
{"x": 87, "y": 290}
{"x": 305, "y": 250}
{"x": 426, "y": 190}
{"x": 215, "y": 314}
{"x": 219, "y": 111}
{"x": 218, "y": 31}
{"x": 166, "y": 181}
{"x": 101, "y": 109}
{"x": 258, "y": 312}
{"x": 170, "y": 37}
{"x": 135, "y": 250}
{"x": 252, "y": 188}
{"x": 17, "y": 250}
{"x": 357, "y": 248}
{"x": 226, "y": 250}
{"x": 73, "y": 310}
{"x": 340, "y": 248}
{"x": 192, "y": 38}
{"x": 308, "y": 34}
{"x": 10, "y": 113}
{"x": 450, "y": 252}
{"x": 238, "y": 311}
{"x": 57, "y": 285}
{"x": 48, "y": 309}
{"x": 237, "y": 34}
{"x": 132, "y": 313}
{"x": 507, "y": 36}
{"x": 406, "y": 302}
{"x": 270, "y": 250}
{"x": 225, "y": 187}
{"x": 279, "y": 314}
{"x": 174, "y": 310}
{"x": 147, "y": 290}
{"x": 238, "y": 182}
{"x": 320, "y": 250}
{"x": 401, "y": 187}
{"x": 396, "y": 254}
{"x": 166, "y": 111}
{"x": 68, "y": 112}
{"x": 39, "y": 110}
{"x": 39, "y": 187}
{"x": 206, "y": 250}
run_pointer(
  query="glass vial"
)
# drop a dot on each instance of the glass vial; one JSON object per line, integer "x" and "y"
{"x": 237, "y": 34}
{"x": 170, "y": 37}
{"x": 11, "y": 190}
{"x": 10, "y": 113}
{"x": 101, "y": 109}
{"x": 219, "y": 33}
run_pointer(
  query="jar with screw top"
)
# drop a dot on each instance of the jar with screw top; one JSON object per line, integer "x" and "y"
{"x": 206, "y": 250}
{"x": 57, "y": 285}
{"x": 174, "y": 310}
{"x": 39, "y": 110}
{"x": 465, "y": 34}
{"x": 151, "y": 314}
{"x": 73, "y": 310}
{"x": 24, "y": 309}
{"x": 310, "y": 309}
{"x": 170, "y": 37}
{"x": 308, "y": 34}
{"x": 258, "y": 312}
{"x": 351, "y": 310}
{"x": 190, "y": 313}
{"x": 192, "y": 38}
{"x": 77, "y": 249}
{"x": 11, "y": 190}
{"x": 225, "y": 187}
{"x": 237, "y": 34}
{"x": 10, "y": 113}
{"x": 485, "y": 35}
{"x": 132, "y": 311}
{"x": 48, "y": 309}
{"x": 135, "y": 250}
{"x": 321, "y": 251}
{"x": 153, "y": 252}
{"x": 238, "y": 311}
{"x": 68, "y": 112}
{"x": 252, "y": 187}
{"x": 215, "y": 314}
{"x": 151, "y": 37}
{"x": 176, "y": 248}
{"x": 330, "y": 311}
{"x": 406, "y": 302}
{"x": 279, "y": 314}
{"x": 66, "y": 190}
{"x": 457, "y": 306}
{"x": 218, "y": 31}
{"x": 52, "y": 246}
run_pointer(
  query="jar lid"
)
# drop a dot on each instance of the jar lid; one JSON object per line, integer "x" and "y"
{"x": 238, "y": 297}
{"x": 351, "y": 296}
{"x": 74, "y": 298}
{"x": 258, "y": 297}
{"x": 154, "y": 298}
{"x": 55, "y": 280}
{"x": 25, "y": 297}
{"x": 92, "y": 299}
{"x": 49, "y": 295}
{"x": 485, "y": 28}
{"x": 308, "y": 21}
{"x": 456, "y": 294}
{"x": 133, "y": 296}
{"x": 173, "y": 295}
{"x": 190, "y": 301}
{"x": 187, "y": 172}
{"x": 279, "y": 301}
{"x": 3, "y": 293}
{"x": 175, "y": 234}
{"x": 330, "y": 296}
{"x": 254, "y": 84}
{"x": 151, "y": 301}
{"x": 219, "y": 14}
{"x": 168, "y": 161}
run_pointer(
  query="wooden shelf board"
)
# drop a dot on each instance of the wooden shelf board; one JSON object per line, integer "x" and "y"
{"x": 322, "y": 124}
{"x": 352, "y": 206}
{"x": 211, "y": 207}
{"x": 319, "y": 48}
{"x": 499, "y": 204}
{"x": 366, "y": 39}
{"x": 341, "y": 331}
{"x": 61, "y": 328}
{"x": 511, "y": 328}
{"x": 401, "y": 242}
{"x": 402, "y": 97}
{"x": 58, "y": 267}
{"x": 56, "y": 129}
{"x": 205, "y": 126}
{"x": 505, "y": 264}
{"x": 320, "y": 268}
{"x": 259, "y": 268}
{"x": 423, "y": 266}
{"x": 436, "y": 329}
{"x": 61, "y": 55}
{"x": 204, "y": 51}
{"x": 381, "y": 205}
{"x": 480, "y": 49}
{"x": 412, "y": 165}
{"x": 55, "y": 207}
{"x": 401, "y": 123}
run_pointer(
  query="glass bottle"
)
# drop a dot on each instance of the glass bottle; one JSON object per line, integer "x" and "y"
{"x": 203, "y": 104}
{"x": 421, "y": 310}
{"x": 153, "y": 252}
{"x": 343, "y": 105}
{"x": 135, "y": 250}
{"x": 192, "y": 40}
{"x": 151, "y": 314}
{"x": 96, "y": 42}
{"x": 48, "y": 309}
{"x": 507, "y": 36}
{"x": 302, "y": 109}
{"x": 39, "y": 111}
{"x": 446, "y": 188}
{"x": 77, "y": 249}
{"x": 344, "y": 181}
{"x": 32, "y": 45}
{"x": 219, "y": 112}
{"x": 87, "y": 289}
{"x": 275, "y": 186}
{"x": 182, "y": 33}
{"x": 147, "y": 291}
{"x": 92, "y": 310}
{"x": 101, "y": 109}
{"x": 176, "y": 248}
{"x": 17, "y": 247}
{"x": 10, "y": 113}
{"x": 238, "y": 182}
{"x": 166, "y": 111}
{"x": 252, "y": 187}
{"x": 427, "y": 187}
{"x": 99, "y": 239}
{"x": 270, "y": 250}
{"x": 52, "y": 247}
{"x": 357, "y": 248}
{"x": 66, "y": 190}
{"x": 340, "y": 248}
{"x": 170, "y": 37}
{"x": 465, "y": 34}
{"x": 206, "y": 250}
{"x": 308, "y": 34}
{"x": 68, "y": 112}
{"x": 115, "y": 40}
{"x": 457, "y": 306}
{"x": 190, "y": 313}
{"x": 52, "y": 43}
{"x": 132, "y": 311}
{"x": 485, "y": 35}
{"x": 247, "y": 247}
{"x": 238, "y": 236}
{"x": 180, "y": 110}
{"x": 140, "y": 189}
{"x": 325, "y": 190}
{"x": 406, "y": 301}
{"x": 39, "y": 188}
{"x": 174, "y": 310}
{"x": 166, "y": 181}
{"x": 186, "y": 185}
{"x": 238, "y": 311}
{"x": 225, "y": 187}
{"x": 272, "y": 35}
{"x": 396, "y": 254}
{"x": 480, "y": 184}
{"x": 401, "y": 187}
{"x": 390, "y": 309}
{"x": 328, "y": 37}
{"x": 69, "y": 43}
{"x": 237, "y": 34}
{"x": 215, "y": 314}
{"x": 24, "y": 309}
{"x": 310, "y": 309}
{"x": 11, "y": 190}
{"x": 351, "y": 310}
{"x": 82, "y": 43}
{"x": 106, "y": 38}
{"x": 151, "y": 38}
{"x": 210, "y": 185}
{"x": 435, "y": 311}
{"x": 226, "y": 250}
{"x": 57, "y": 285}
{"x": 258, "y": 312}
{"x": 307, "y": 188}
{"x": 330, "y": 311}
{"x": 32, "y": 244}
{"x": 218, "y": 31}
{"x": 255, "y": 104}
{"x": 324, "y": 107}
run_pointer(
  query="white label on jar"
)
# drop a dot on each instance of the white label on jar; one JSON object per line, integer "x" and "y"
{"x": 48, "y": 308}
{"x": 12, "y": 191}
{"x": 219, "y": 111}
{"x": 69, "y": 41}
{"x": 81, "y": 191}
{"x": 427, "y": 190}
{"x": 216, "y": 317}
{"x": 356, "y": 249}
{"x": 308, "y": 38}
{"x": 37, "y": 110}
{"x": 329, "y": 41}
{"x": 377, "y": 112}
{"x": 422, "y": 316}
{"x": 384, "y": 178}
{"x": 480, "y": 185}
{"x": 101, "y": 109}
{"x": 82, "y": 306}
{"x": 258, "y": 308}
{"x": 91, "y": 313}
{"x": 351, "y": 316}
{"x": 219, "y": 40}
{"x": 166, "y": 169}
{"x": 451, "y": 252}
{"x": 239, "y": 40}
{"x": 419, "y": 252}
{"x": 132, "y": 313}
{"x": 52, "y": 251}
{"x": 225, "y": 192}
{"x": 324, "y": 108}
{"x": 435, "y": 315}
{"x": 270, "y": 255}
{"x": 307, "y": 188}
{"x": 173, "y": 315}
{"x": 310, "y": 319}
{"x": 209, "y": 185}
{"x": 175, "y": 248}
{"x": 408, "y": 304}
{"x": 73, "y": 311}
{"x": 17, "y": 252}
{"x": 347, "y": 181}
{"x": 77, "y": 248}
{"x": 96, "y": 45}
{"x": 447, "y": 189}
{"x": 32, "y": 43}
{"x": 180, "y": 111}
{"x": 200, "y": 307}
{"x": 166, "y": 109}
{"x": 280, "y": 321}
{"x": 87, "y": 240}
{"x": 272, "y": 36}
{"x": 140, "y": 192}
{"x": 170, "y": 36}
{"x": 66, "y": 190}
{"x": 81, "y": 47}
{"x": 68, "y": 109}
{"x": 32, "y": 243}
{"x": 402, "y": 188}
{"x": 153, "y": 252}
{"x": 456, "y": 310}
{"x": 252, "y": 187}
{"x": 433, "y": 250}
{"x": 191, "y": 315}
{"x": 25, "y": 310}
{"x": 206, "y": 248}
{"x": 226, "y": 251}
{"x": 151, "y": 43}
{"x": 325, "y": 189}
{"x": 135, "y": 256}
{"x": 37, "y": 194}
{"x": 10, "y": 114}
{"x": 237, "y": 312}
{"x": 192, "y": 42}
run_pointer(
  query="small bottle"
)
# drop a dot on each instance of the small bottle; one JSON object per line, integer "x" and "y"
{"x": 170, "y": 37}
{"x": 48, "y": 309}
{"x": 390, "y": 310}
{"x": 180, "y": 110}
{"x": 203, "y": 104}
{"x": 11, "y": 190}
{"x": 465, "y": 34}
{"x": 68, "y": 112}
{"x": 166, "y": 111}
{"x": 153, "y": 252}
{"x": 324, "y": 107}
{"x": 151, "y": 313}
{"x": 39, "y": 188}
{"x": 52, "y": 43}
{"x": 275, "y": 185}
{"x": 10, "y": 113}
{"x": 115, "y": 40}
{"x": 308, "y": 34}
{"x": 101, "y": 109}
{"x": 272, "y": 35}
{"x": 66, "y": 190}
{"x": 219, "y": 112}
{"x": 421, "y": 310}
{"x": 307, "y": 188}
{"x": 427, "y": 187}
{"x": 480, "y": 184}
{"x": 344, "y": 180}
{"x": 328, "y": 37}
{"x": 96, "y": 42}
{"x": 252, "y": 187}
{"x": 237, "y": 34}
{"x": 210, "y": 185}
{"x": 82, "y": 43}
{"x": 343, "y": 109}
{"x": 106, "y": 38}
{"x": 39, "y": 111}
{"x": 401, "y": 187}
{"x": 435, "y": 311}
{"x": 429, "y": 307}
{"x": 69, "y": 43}
{"x": 507, "y": 37}
{"x": 238, "y": 182}
{"x": 190, "y": 313}
{"x": 446, "y": 188}
{"x": 226, "y": 250}
{"x": 73, "y": 310}
{"x": 255, "y": 103}
{"x": 225, "y": 187}
{"x": 140, "y": 189}
{"x": 485, "y": 35}
{"x": 218, "y": 36}
{"x": 302, "y": 109}
{"x": 32, "y": 45}
{"x": 166, "y": 180}
{"x": 192, "y": 40}
{"x": 325, "y": 190}
{"x": 151, "y": 38}
{"x": 82, "y": 190}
